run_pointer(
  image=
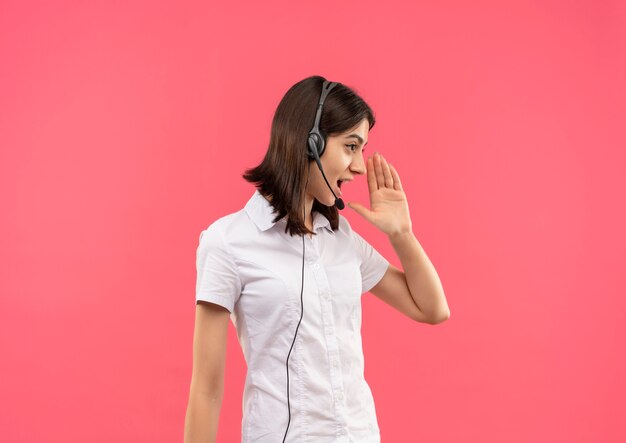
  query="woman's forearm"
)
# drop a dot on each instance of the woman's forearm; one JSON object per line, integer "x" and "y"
{"x": 422, "y": 279}
{"x": 202, "y": 417}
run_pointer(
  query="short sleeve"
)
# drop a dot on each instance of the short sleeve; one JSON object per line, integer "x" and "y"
{"x": 217, "y": 278}
{"x": 373, "y": 264}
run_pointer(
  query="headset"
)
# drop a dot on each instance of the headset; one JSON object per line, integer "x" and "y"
{"x": 316, "y": 144}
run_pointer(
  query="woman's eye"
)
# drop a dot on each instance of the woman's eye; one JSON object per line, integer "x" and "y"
{"x": 352, "y": 145}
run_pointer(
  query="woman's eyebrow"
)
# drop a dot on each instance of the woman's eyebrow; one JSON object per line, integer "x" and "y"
{"x": 356, "y": 136}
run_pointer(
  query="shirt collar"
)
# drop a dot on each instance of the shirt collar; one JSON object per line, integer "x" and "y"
{"x": 262, "y": 214}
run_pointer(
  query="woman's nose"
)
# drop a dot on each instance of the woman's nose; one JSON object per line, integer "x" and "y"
{"x": 358, "y": 165}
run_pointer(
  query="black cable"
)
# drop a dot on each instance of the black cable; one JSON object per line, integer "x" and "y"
{"x": 301, "y": 305}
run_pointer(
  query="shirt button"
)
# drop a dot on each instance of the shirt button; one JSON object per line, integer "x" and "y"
{"x": 316, "y": 266}
{"x": 340, "y": 396}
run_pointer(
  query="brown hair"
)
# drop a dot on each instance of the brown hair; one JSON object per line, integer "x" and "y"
{"x": 282, "y": 173}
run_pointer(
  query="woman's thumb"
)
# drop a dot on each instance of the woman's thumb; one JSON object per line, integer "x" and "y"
{"x": 362, "y": 210}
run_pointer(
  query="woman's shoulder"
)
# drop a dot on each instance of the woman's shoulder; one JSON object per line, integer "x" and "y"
{"x": 226, "y": 225}
{"x": 343, "y": 225}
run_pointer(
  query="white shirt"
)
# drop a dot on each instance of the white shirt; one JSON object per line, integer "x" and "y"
{"x": 249, "y": 265}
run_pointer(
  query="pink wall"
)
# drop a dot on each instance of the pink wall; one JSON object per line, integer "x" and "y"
{"x": 125, "y": 127}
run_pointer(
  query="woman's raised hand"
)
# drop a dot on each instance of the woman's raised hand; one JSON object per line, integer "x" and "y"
{"x": 389, "y": 209}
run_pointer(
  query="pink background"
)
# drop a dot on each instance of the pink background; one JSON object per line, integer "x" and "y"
{"x": 125, "y": 128}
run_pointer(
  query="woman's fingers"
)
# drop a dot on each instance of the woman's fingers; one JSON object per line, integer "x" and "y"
{"x": 378, "y": 168}
{"x": 397, "y": 185}
{"x": 387, "y": 173}
{"x": 371, "y": 175}
{"x": 383, "y": 173}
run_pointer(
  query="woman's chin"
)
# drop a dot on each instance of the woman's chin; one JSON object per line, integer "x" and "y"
{"x": 329, "y": 200}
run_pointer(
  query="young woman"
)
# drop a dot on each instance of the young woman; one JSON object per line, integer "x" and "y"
{"x": 289, "y": 271}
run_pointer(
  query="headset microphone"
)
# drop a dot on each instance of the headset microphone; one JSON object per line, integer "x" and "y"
{"x": 338, "y": 202}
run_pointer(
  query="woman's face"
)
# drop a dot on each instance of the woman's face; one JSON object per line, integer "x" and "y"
{"x": 342, "y": 159}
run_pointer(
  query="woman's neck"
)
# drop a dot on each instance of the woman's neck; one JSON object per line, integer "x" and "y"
{"x": 308, "y": 203}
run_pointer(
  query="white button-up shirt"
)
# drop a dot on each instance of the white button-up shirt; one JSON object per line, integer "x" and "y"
{"x": 249, "y": 265}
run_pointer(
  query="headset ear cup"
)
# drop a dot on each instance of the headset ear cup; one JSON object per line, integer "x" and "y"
{"x": 315, "y": 143}
{"x": 322, "y": 144}
{"x": 311, "y": 146}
